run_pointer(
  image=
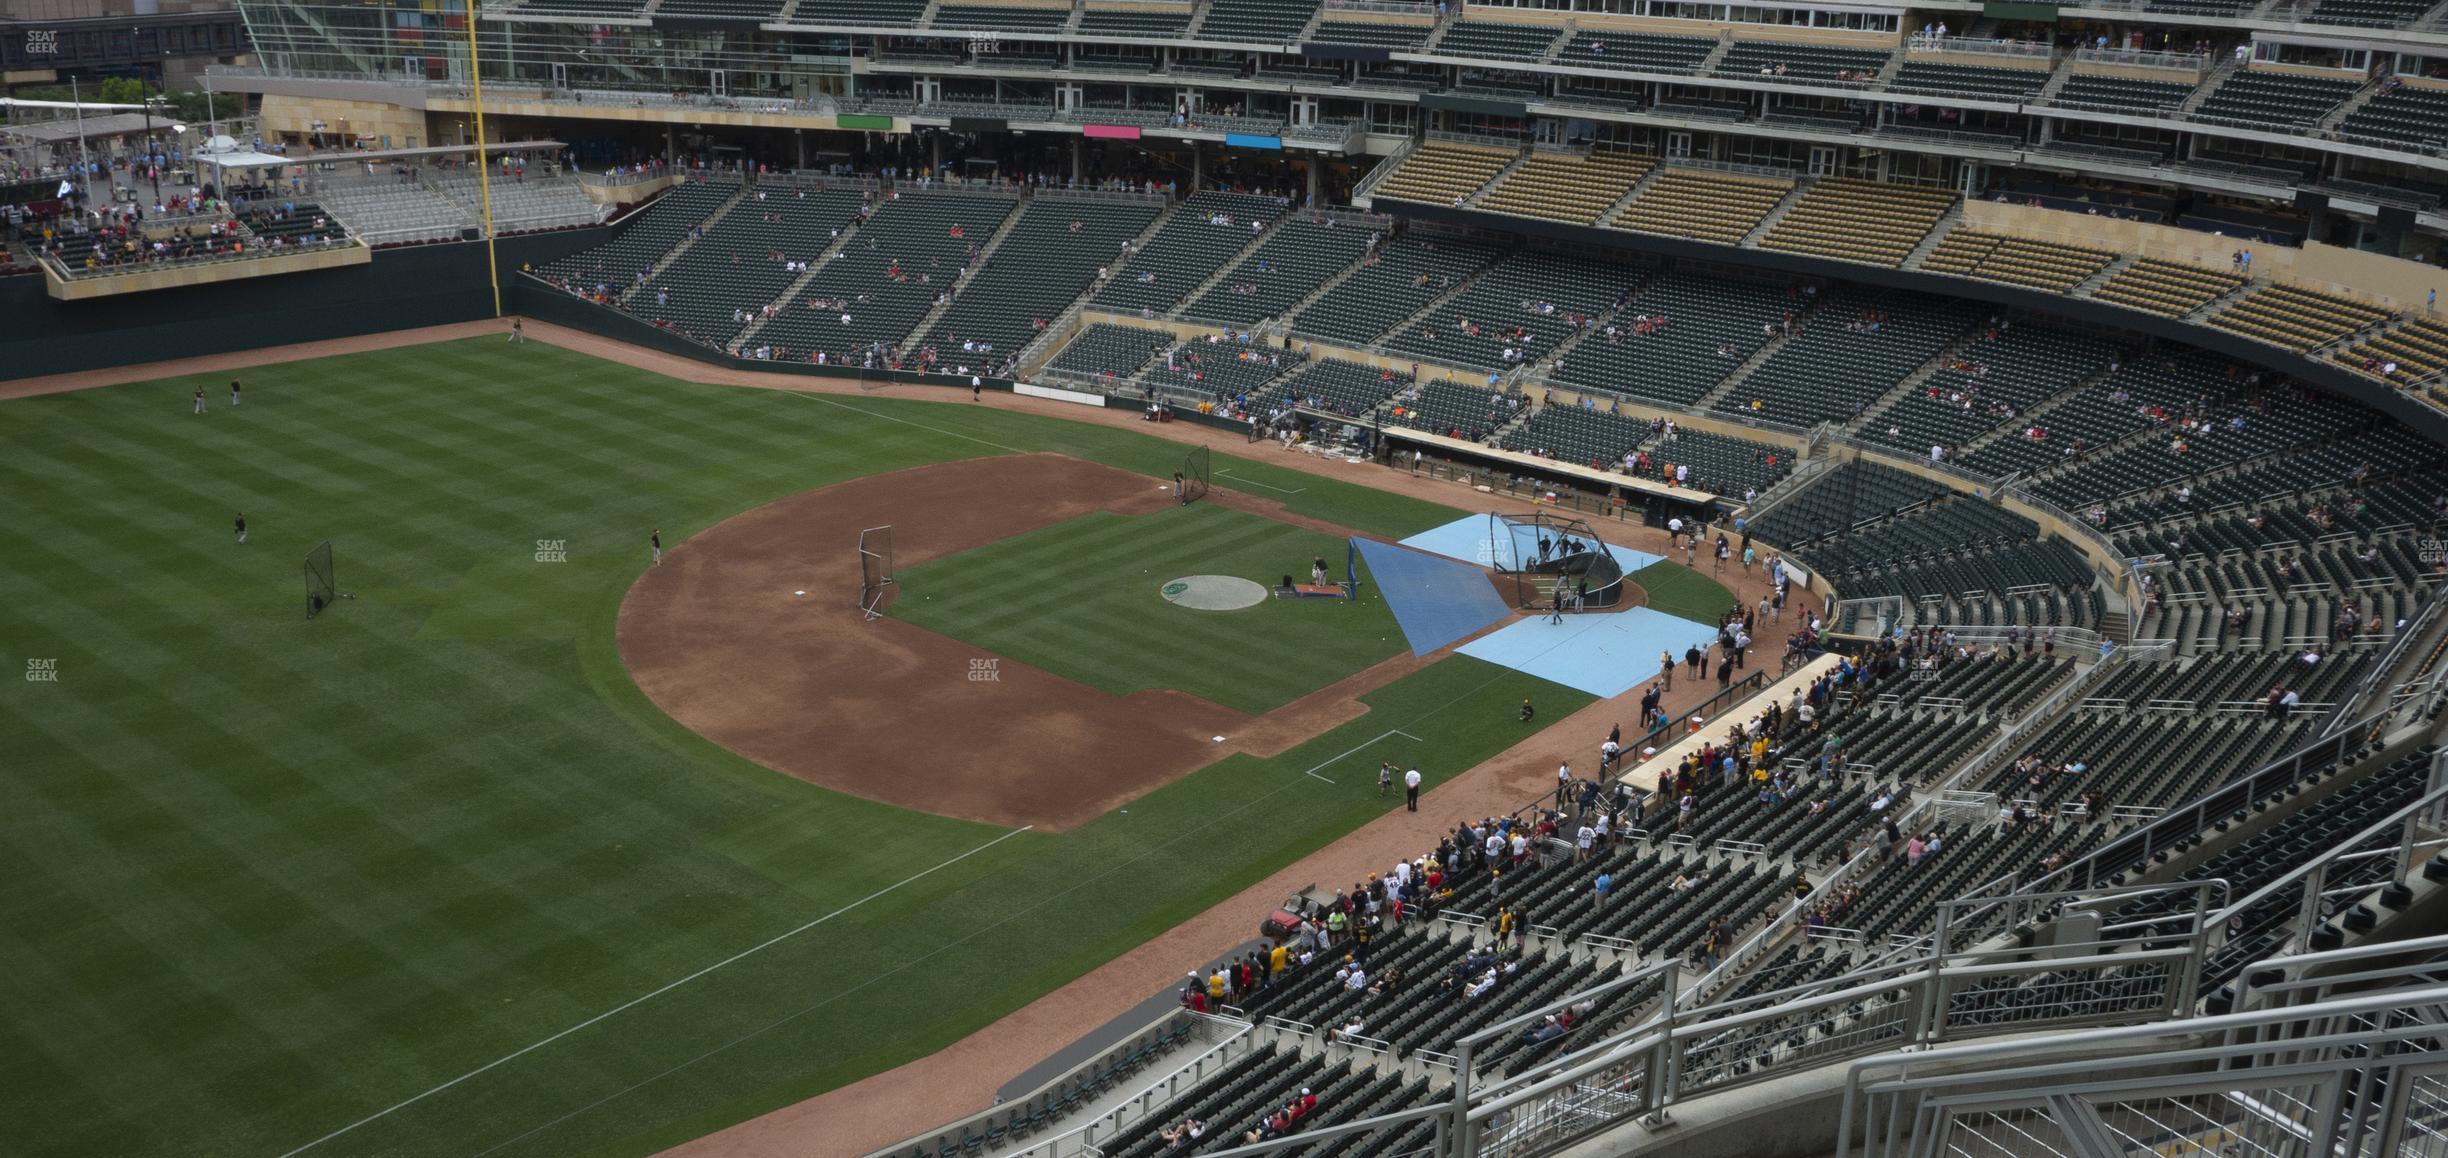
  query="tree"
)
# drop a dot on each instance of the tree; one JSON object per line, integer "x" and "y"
{"x": 123, "y": 90}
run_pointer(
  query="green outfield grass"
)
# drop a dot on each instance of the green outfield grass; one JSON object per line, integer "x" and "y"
{"x": 269, "y": 879}
{"x": 1684, "y": 592}
{"x": 1081, "y": 599}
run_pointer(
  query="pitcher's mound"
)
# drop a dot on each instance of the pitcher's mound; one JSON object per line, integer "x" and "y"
{"x": 1214, "y": 592}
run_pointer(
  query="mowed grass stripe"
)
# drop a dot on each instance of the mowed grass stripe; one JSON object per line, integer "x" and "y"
{"x": 1082, "y": 599}
{"x": 377, "y": 850}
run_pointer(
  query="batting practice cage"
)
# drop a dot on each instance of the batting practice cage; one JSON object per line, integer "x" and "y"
{"x": 321, "y": 586}
{"x": 875, "y": 568}
{"x": 1193, "y": 483}
{"x": 1542, "y": 552}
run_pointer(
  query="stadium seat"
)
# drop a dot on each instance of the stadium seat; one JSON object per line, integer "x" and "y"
{"x": 2167, "y": 288}
{"x": 1444, "y": 172}
{"x": 1857, "y": 220}
{"x": 1565, "y": 186}
{"x": 1205, "y": 230}
{"x": 1701, "y": 205}
{"x": 2298, "y": 319}
{"x": 2015, "y": 260}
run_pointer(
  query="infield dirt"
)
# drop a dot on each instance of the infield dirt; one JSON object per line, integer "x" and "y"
{"x": 718, "y": 637}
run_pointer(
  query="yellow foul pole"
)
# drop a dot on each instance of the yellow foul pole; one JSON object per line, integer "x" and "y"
{"x": 484, "y": 163}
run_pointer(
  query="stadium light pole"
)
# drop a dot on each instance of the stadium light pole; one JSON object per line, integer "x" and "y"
{"x": 484, "y": 167}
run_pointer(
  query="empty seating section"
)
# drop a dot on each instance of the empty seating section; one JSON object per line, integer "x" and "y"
{"x": 1965, "y": 561}
{"x": 2230, "y": 434}
{"x": 1222, "y": 370}
{"x": 1332, "y": 386}
{"x": 1588, "y": 438}
{"x": 1455, "y": 409}
{"x": 902, "y": 14}
{"x": 1601, "y": 441}
{"x": 1105, "y": 350}
{"x": 1636, "y": 52}
{"x": 1852, "y": 494}
{"x": 2261, "y": 859}
{"x": 2297, "y": 319}
{"x": 2015, "y": 260}
{"x": 2416, "y": 116}
{"x": 1567, "y": 187}
{"x": 386, "y": 213}
{"x": 2418, "y": 349}
{"x": 2368, "y": 13}
{"x": 757, "y": 11}
{"x": 1444, "y": 172}
{"x": 1528, "y": 304}
{"x": 1704, "y": 206}
{"x": 1200, "y": 238}
{"x": 998, "y": 17}
{"x": 1697, "y": 330}
{"x": 1811, "y": 62}
{"x": 886, "y": 277}
{"x": 1050, "y": 257}
{"x": 617, "y": 9}
{"x": 1722, "y": 464}
{"x": 1125, "y": 22}
{"x": 1256, "y": 21}
{"x": 2274, "y": 100}
{"x": 522, "y": 205}
{"x": 1494, "y": 40}
{"x": 2225, "y": 9}
{"x": 1253, "y": 1089}
{"x": 1857, "y": 220}
{"x": 717, "y": 285}
{"x": 2171, "y": 289}
{"x": 1393, "y": 283}
{"x": 2122, "y": 94}
{"x": 1989, "y": 383}
{"x": 2392, "y": 461}
{"x": 1399, "y": 37}
{"x": 644, "y": 238}
{"x": 1301, "y": 255}
{"x": 2138, "y": 761}
{"x": 2139, "y": 396}
{"x": 1998, "y": 84}
{"x": 1852, "y": 348}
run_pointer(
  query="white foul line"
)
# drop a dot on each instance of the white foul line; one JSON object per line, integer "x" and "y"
{"x": 1227, "y": 472}
{"x": 651, "y": 996}
{"x": 1313, "y": 771}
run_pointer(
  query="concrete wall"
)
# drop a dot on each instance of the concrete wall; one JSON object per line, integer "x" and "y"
{"x": 211, "y": 273}
{"x": 292, "y": 115}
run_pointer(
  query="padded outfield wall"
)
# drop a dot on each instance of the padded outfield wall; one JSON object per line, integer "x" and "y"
{"x": 424, "y": 285}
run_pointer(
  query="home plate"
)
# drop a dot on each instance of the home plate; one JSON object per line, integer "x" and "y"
{"x": 1219, "y": 739}
{"x": 798, "y": 592}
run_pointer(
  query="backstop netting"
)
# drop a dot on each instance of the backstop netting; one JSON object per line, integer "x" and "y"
{"x": 875, "y": 568}
{"x": 1546, "y": 553}
{"x": 321, "y": 586}
{"x": 1193, "y": 483}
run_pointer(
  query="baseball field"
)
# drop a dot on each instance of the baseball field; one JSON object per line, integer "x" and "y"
{"x": 516, "y": 852}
